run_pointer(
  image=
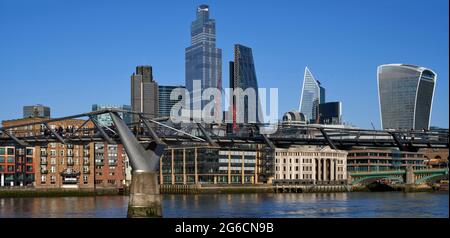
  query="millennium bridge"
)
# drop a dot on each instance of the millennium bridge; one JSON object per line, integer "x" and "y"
{"x": 146, "y": 141}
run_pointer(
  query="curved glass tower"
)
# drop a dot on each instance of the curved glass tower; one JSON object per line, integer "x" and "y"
{"x": 405, "y": 95}
{"x": 312, "y": 95}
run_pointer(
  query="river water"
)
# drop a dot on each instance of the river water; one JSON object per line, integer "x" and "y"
{"x": 308, "y": 205}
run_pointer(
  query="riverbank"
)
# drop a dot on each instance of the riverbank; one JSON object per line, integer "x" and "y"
{"x": 58, "y": 192}
{"x": 209, "y": 189}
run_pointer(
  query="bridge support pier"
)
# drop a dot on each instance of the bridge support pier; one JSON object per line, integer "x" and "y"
{"x": 145, "y": 199}
{"x": 410, "y": 179}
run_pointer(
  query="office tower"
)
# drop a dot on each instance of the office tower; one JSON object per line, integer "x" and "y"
{"x": 203, "y": 59}
{"x": 36, "y": 111}
{"x": 330, "y": 113}
{"x": 105, "y": 119}
{"x": 405, "y": 96}
{"x": 144, "y": 93}
{"x": 165, "y": 103}
{"x": 243, "y": 76}
{"x": 313, "y": 94}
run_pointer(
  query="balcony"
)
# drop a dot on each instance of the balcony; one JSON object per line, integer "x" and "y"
{"x": 87, "y": 171}
{"x": 44, "y": 162}
{"x": 44, "y": 171}
{"x": 70, "y": 163}
{"x": 87, "y": 163}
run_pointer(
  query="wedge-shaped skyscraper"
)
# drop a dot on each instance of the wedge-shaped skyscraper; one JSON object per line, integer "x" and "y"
{"x": 405, "y": 96}
{"x": 313, "y": 94}
{"x": 243, "y": 76}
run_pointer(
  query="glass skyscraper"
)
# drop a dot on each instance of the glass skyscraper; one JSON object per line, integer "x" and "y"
{"x": 105, "y": 119}
{"x": 405, "y": 95}
{"x": 203, "y": 59}
{"x": 243, "y": 76}
{"x": 165, "y": 104}
{"x": 313, "y": 94}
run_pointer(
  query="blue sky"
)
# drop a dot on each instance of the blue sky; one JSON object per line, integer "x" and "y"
{"x": 71, "y": 54}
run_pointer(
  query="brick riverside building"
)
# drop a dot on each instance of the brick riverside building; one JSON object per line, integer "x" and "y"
{"x": 58, "y": 165}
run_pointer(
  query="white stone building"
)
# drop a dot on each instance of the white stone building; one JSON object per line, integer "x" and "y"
{"x": 311, "y": 164}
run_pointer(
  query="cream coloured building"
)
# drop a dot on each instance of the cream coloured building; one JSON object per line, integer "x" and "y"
{"x": 311, "y": 164}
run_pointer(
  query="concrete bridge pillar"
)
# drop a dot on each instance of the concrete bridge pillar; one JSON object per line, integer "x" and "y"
{"x": 410, "y": 179}
{"x": 145, "y": 200}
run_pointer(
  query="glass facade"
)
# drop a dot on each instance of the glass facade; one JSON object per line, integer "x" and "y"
{"x": 244, "y": 77}
{"x": 36, "y": 111}
{"x": 203, "y": 59}
{"x": 313, "y": 94}
{"x": 105, "y": 119}
{"x": 165, "y": 104}
{"x": 330, "y": 113}
{"x": 405, "y": 96}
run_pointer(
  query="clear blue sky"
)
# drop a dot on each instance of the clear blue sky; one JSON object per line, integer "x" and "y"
{"x": 71, "y": 54}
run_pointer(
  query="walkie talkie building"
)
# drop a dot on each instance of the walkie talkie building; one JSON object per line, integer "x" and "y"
{"x": 405, "y": 96}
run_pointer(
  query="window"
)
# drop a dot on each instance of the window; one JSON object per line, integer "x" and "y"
{"x": 2, "y": 150}
{"x": 43, "y": 179}
{"x": 29, "y": 151}
{"x": 10, "y": 159}
{"x": 10, "y": 151}
{"x": 2, "y": 159}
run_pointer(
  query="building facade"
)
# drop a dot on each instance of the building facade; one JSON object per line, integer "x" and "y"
{"x": 165, "y": 103}
{"x": 405, "y": 96}
{"x": 205, "y": 165}
{"x": 369, "y": 160}
{"x": 144, "y": 93}
{"x": 311, "y": 164}
{"x": 17, "y": 165}
{"x": 203, "y": 59}
{"x": 313, "y": 94}
{"x": 330, "y": 113}
{"x": 36, "y": 111}
{"x": 111, "y": 165}
{"x": 105, "y": 119}
{"x": 58, "y": 165}
{"x": 243, "y": 76}
{"x": 436, "y": 158}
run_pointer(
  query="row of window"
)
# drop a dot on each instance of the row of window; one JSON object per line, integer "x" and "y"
{"x": 310, "y": 154}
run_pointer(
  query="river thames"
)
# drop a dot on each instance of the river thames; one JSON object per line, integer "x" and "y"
{"x": 308, "y": 205}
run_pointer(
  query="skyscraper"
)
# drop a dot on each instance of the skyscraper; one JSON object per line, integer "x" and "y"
{"x": 243, "y": 76}
{"x": 330, "y": 113}
{"x": 165, "y": 103}
{"x": 313, "y": 94}
{"x": 203, "y": 59}
{"x": 405, "y": 96}
{"x": 144, "y": 92}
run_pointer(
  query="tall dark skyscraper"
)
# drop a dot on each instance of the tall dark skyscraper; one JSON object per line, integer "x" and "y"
{"x": 203, "y": 59}
{"x": 243, "y": 76}
{"x": 144, "y": 92}
{"x": 406, "y": 96}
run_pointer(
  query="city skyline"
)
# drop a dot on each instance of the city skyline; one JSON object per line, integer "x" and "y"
{"x": 361, "y": 108}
